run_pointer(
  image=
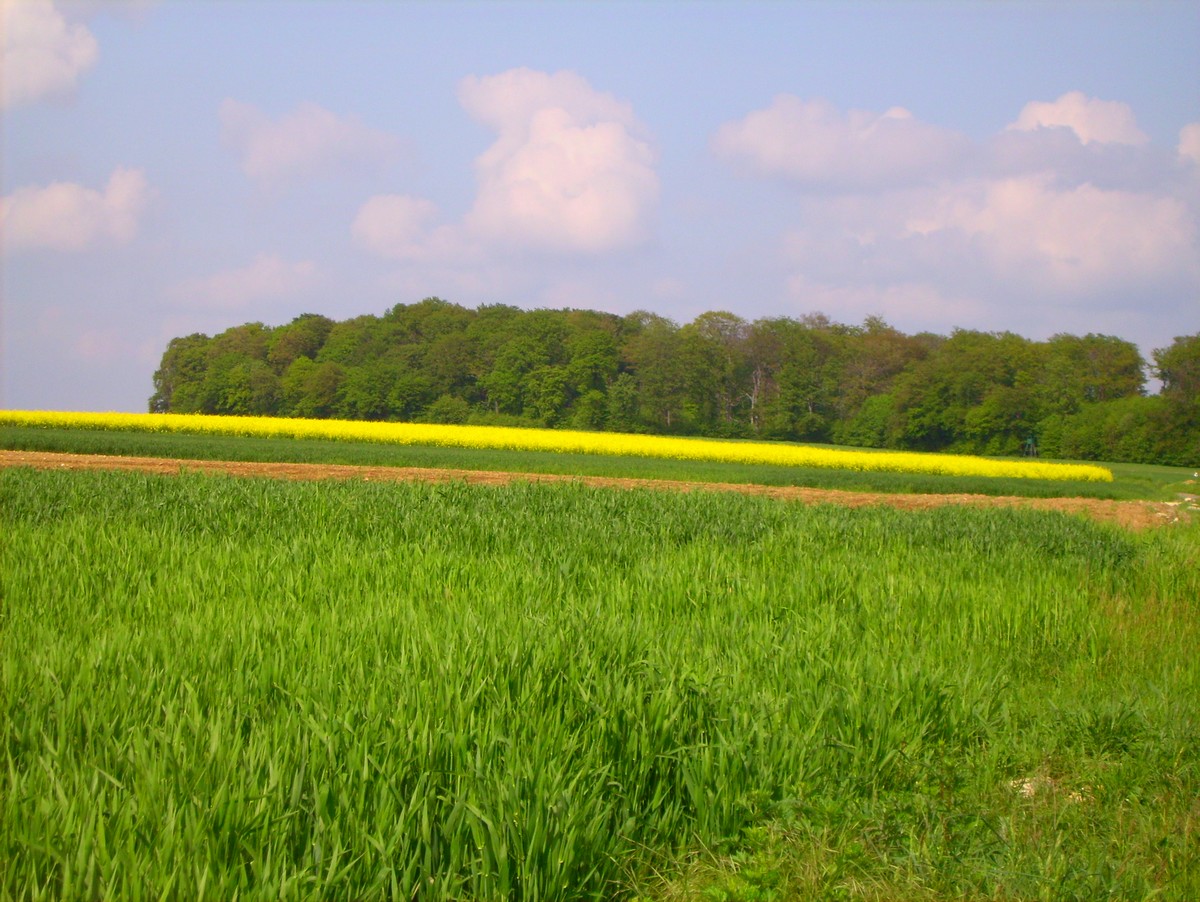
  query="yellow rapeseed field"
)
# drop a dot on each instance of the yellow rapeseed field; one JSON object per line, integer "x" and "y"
{"x": 609, "y": 443}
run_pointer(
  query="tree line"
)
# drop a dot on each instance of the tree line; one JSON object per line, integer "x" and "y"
{"x": 806, "y": 379}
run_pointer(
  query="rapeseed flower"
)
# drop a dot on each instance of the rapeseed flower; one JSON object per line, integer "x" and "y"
{"x": 564, "y": 441}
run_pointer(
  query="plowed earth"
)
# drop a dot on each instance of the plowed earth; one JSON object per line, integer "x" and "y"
{"x": 1129, "y": 514}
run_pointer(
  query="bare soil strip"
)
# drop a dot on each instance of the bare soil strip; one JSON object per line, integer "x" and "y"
{"x": 1129, "y": 514}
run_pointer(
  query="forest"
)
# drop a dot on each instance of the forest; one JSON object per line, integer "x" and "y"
{"x": 808, "y": 379}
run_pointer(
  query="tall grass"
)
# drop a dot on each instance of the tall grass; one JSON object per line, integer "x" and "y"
{"x": 218, "y": 688}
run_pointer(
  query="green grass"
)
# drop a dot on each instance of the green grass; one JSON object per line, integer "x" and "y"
{"x": 218, "y": 688}
{"x": 1156, "y": 482}
{"x": 1132, "y": 480}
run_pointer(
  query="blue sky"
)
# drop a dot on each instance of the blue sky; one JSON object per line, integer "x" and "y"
{"x": 173, "y": 167}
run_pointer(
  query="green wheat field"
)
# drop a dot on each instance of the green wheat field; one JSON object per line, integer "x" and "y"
{"x": 220, "y": 688}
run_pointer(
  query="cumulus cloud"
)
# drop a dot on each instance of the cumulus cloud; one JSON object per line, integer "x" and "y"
{"x": 811, "y": 142}
{"x": 1060, "y": 152}
{"x": 1092, "y": 120}
{"x": 570, "y": 169}
{"x": 267, "y": 277}
{"x": 69, "y": 217}
{"x": 1068, "y": 208}
{"x": 1076, "y": 239}
{"x": 308, "y": 141}
{"x": 570, "y": 172}
{"x": 42, "y": 56}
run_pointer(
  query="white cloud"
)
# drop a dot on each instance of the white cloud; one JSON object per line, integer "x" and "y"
{"x": 509, "y": 101}
{"x": 309, "y": 141}
{"x": 1189, "y": 142}
{"x": 1070, "y": 209}
{"x": 42, "y": 55}
{"x": 569, "y": 173}
{"x": 569, "y": 170}
{"x": 813, "y": 143}
{"x": 1094, "y": 121}
{"x": 1061, "y": 153}
{"x": 267, "y": 277}
{"x": 69, "y": 217}
{"x": 1080, "y": 239}
{"x": 394, "y": 225}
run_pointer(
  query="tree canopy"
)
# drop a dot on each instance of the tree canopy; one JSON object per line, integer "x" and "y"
{"x": 807, "y": 379}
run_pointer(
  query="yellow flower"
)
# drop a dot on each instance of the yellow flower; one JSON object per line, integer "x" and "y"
{"x": 609, "y": 443}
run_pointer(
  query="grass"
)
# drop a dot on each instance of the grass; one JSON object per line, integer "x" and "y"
{"x": 1156, "y": 482}
{"x": 218, "y": 688}
{"x": 1131, "y": 480}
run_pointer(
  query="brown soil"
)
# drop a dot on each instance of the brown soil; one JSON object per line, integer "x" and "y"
{"x": 1130, "y": 514}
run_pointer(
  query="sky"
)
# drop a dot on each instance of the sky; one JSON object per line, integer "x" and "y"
{"x": 190, "y": 165}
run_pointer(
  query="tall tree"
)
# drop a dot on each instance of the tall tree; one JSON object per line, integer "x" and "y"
{"x": 874, "y": 355}
{"x": 353, "y": 342}
{"x": 310, "y": 389}
{"x": 804, "y": 378}
{"x": 715, "y": 362}
{"x": 652, "y": 355}
{"x": 938, "y": 394}
{"x": 1178, "y": 366}
{"x": 809, "y": 376}
{"x": 180, "y": 375}
{"x": 302, "y": 337}
{"x": 1090, "y": 369}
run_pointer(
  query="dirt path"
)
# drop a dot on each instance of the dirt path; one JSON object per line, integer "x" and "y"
{"x": 1130, "y": 514}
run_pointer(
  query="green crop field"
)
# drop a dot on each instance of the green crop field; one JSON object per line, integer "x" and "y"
{"x": 217, "y": 688}
{"x": 1131, "y": 480}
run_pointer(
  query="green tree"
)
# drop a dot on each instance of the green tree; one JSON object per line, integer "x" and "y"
{"x": 1178, "y": 367}
{"x": 938, "y": 397}
{"x": 546, "y": 393}
{"x": 248, "y": 341}
{"x": 310, "y": 389}
{"x": 302, "y": 337}
{"x": 364, "y": 392}
{"x": 506, "y": 385}
{"x": 807, "y": 378}
{"x": 652, "y": 354}
{"x": 1085, "y": 370}
{"x": 179, "y": 378}
{"x": 593, "y": 360}
{"x": 872, "y": 357}
{"x": 353, "y": 342}
{"x": 590, "y": 411}
{"x": 873, "y": 424}
{"x": 812, "y": 357}
{"x": 452, "y": 365}
{"x": 713, "y": 351}
{"x": 622, "y": 405}
{"x": 448, "y": 409}
{"x": 427, "y": 321}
